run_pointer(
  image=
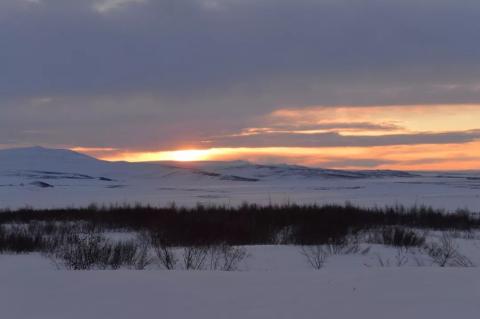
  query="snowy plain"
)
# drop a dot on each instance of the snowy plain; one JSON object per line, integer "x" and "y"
{"x": 46, "y": 178}
{"x": 32, "y": 289}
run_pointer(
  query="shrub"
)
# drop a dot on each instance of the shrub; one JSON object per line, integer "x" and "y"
{"x": 19, "y": 240}
{"x": 445, "y": 253}
{"x": 225, "y": 257}
{"x": 400, "y": 259}
{"x": 316, "y": 255}
{"x": 194, "y": 257}
{"x": 142, "y": 258}
{"x": 397, "y": 237}
{"x": 85, "y": 252}
{"x": 166, "y": 255}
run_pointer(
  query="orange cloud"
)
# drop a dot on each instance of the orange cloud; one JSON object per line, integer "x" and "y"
{"x": 433, "y": 137}
{"x": 401, "y": 119}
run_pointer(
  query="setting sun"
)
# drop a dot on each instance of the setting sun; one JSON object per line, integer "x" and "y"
{"x": 188, "y": 155}
{"x": 178, "y": 156}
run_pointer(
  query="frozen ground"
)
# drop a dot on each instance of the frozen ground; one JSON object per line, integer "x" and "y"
{"x": 45, "y": 178}
{"x": 31, "y": 289}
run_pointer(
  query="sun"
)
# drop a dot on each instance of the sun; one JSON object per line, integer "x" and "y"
{"x": 188, "y": 155}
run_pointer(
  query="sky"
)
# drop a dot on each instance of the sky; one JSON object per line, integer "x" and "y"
{"x": 349, "y": 84}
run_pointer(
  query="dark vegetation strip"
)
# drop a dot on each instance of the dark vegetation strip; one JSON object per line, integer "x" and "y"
{"x": 244, "y": 225}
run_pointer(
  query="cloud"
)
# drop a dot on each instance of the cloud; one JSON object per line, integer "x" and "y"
{"x": 105, "y": 6}
{"x": 338, "y": 140}
{"x": 359, "y": 126}
{"x": 300, "y": 128}
{"x": 404, "y": 118}
{"x": 167, "y": 74}
{"x": 343, "y": 50}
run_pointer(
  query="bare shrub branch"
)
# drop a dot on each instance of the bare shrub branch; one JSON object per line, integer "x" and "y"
{"x": 316, "y": 255}
{"x": 225, "y": 257}
{"x": 142, "y": 257}
{"x": 165, "y": 253}
{"x": 194, "y": 257}
{"x": 445, "y": 253}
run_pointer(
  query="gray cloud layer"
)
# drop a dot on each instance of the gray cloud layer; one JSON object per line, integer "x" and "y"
{"x": 178, "y": 47}
{"x": 155, "y": 73}
{"x": 335, "y": 139}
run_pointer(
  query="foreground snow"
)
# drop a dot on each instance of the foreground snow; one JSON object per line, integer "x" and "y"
{"x": 31, "y": 289}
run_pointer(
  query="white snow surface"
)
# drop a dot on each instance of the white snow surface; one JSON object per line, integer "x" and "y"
{"x": 47, "y": 178}
{"x": 31, "y": 289}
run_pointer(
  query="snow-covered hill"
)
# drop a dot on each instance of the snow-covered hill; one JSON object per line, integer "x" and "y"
{"x": 61, "y": 161}
{"x": 42, "y": 177}
{"x": 283, "y": 171}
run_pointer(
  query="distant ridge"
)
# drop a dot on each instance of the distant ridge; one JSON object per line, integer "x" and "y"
{"x": 63, "y": 160}
{"x": 41, "y": 158}
{"x": 43, "y": 152}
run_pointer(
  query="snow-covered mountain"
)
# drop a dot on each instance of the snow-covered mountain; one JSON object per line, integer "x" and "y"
{"x": 43, "y": 163}
{"x": 39, "y": 158}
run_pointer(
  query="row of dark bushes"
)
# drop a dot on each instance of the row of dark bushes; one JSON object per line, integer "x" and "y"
{"x": 244, "y": 225}
{"x": 210, "y": 236}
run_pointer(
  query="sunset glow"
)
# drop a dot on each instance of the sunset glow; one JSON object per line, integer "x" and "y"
{"x": 418, "y": 157}
{"x": 410, "y": 137}
{"x": 180, "y": 156}
{"x": 389, "y": 119}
